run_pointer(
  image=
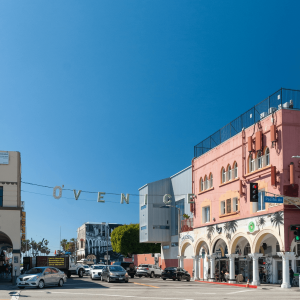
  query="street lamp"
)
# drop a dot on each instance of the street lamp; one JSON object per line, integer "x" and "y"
{"x": 106, "y": 233}
{"x": 178, "y": 209}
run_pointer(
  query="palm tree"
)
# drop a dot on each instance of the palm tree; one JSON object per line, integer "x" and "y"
{"x": 233, "y": 226}
{"x": 277, "y": 219}
{"x": 261, "y": 222}
{"x": 210, "y": 231}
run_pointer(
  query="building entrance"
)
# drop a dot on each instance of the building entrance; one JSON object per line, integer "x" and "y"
{"x": 5, "y": 261}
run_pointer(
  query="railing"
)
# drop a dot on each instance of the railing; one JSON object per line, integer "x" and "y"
{"x": 187, "y": 225}
{"x": 283, "y": 98}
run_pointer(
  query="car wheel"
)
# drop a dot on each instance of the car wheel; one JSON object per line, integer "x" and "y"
{"x": 108, "y": 279}
{"x": 21, "y": 287}
{"x": 179, "y": 278}
{"x": 188, "y": 279}
{"x": 132, "y": 276}
{"x": 80, "y": 273}
{"x": 173, "y": 279}
{"x": 60, "y": 283}
{"x": 102, "y": 279}
{"x": 140, "y": 276}
{"x": 152, "y": 275}
{"x": 41, "y": 284}
{"x": 126, "y": 281}
{"x": 164, "y": 278}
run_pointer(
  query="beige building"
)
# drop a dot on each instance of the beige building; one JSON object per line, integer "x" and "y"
{"x": 10, "y": 205}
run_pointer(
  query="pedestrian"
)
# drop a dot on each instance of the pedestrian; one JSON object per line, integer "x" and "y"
{"x": 291, "y": 276}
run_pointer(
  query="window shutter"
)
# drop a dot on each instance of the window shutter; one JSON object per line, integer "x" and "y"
{"x": 222, "y": 207}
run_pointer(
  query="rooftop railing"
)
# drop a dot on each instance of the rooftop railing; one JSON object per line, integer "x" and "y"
{"x": 187, "y": 225}
{"x": 282, "y": 99}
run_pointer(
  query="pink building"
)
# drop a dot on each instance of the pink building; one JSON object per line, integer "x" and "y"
{"x": 230, "y": 232}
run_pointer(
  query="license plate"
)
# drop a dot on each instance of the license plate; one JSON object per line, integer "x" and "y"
{"x": 22, "y": 282}
{"x": 121, "y": 278}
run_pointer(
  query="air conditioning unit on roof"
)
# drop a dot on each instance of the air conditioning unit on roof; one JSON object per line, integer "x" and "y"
{"x": 272, "y": 109}
{"x": 263, "y": 115}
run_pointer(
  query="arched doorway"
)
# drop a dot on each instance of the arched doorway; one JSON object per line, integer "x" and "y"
{"x": 5, "y": 250}
{"x": 201, "y": 260}
{"x": 186, "y": 261}
{"x": 220, "y": 249}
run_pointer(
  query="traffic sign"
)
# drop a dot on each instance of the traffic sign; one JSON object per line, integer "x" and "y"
{"x": 268, "y": 199}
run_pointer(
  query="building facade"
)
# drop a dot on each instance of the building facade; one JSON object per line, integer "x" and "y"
{"x": 159, "y": 223}
{"x": 10, "y": 206}
{"x": 93, "y": 241}
{"x": 229, "y": 231}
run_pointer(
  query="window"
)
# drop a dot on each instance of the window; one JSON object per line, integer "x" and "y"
{"x": 229, "y": 173}
{"x": 277, "y": 247}
{"x": 267, "y": 156}
{"x": 228, "y": 206}
{"x": 81, "y": 244}
{"x": 211, "y": 184}
{"x": 205, "y": 183}
{"x": 166, "y": 247}
{"x": 223, "y": 208}
{"x": 201, "y": 184}
{"x": 247, "y": 250}
{"x": 251, "y": 163}
{"x": 161, "y": 227}
{"x": 206, "y": 214}
{"x": 1, "y": 196}
{"x": 143, "y": 207}
{"x": 223, "y": 175}
{"x": 235, "y": 170}
{"x": 261, "y": 201}
{"x": 143, "y": 227}
{"x": 235, "y": 204}
{"x": 259, "y": 160}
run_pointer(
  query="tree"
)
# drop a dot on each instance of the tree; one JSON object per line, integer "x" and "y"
{"x": 277, "y": 220}
{"x": 69, "y": 246}
{"x": 125, "y": 240}
{"x": 63, "y": 244}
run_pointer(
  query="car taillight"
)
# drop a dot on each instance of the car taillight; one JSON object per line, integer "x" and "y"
{"x": 147, "y": 268}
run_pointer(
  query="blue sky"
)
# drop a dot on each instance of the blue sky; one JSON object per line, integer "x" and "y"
{"x": 109, "y": 95}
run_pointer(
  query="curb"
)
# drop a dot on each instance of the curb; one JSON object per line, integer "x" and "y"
{"x": 230, "y": 284}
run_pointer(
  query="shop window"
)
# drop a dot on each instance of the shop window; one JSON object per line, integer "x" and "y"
{"x": 211, "y": 183}
{"x": 223, "y": 208}
{"x": 228, "y": 206}
{"x": 247, "y": 249}
{"x": 235, "y": 170}
{"x": 1, "y": 196}
{"x": 235, "y": 204}
{"x": 223, "y": 175}
{"x": 206, "y": 214}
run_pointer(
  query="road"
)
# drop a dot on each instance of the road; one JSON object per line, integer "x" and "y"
{"x": 147, "y": 288}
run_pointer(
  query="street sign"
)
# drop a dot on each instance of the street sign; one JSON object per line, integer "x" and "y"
{"x": 268, "y": 199}
{"x": 106, "y": 257}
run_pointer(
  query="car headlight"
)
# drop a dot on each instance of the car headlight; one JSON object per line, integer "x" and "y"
{"x": 126, "y": 274}
{"x": 111, "y": 274}
{"x": 34, "y": 278}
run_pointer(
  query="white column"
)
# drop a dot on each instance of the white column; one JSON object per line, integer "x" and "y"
{"x": 232, "y": 267}
{"x": 196, "y": 266}
{"x": 181, "y": 258}
{"x": 286, "y": 256}
{"x": 255, "y": 257}
{"x": 212, "y": 266}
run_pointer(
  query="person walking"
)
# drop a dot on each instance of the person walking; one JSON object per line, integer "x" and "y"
{"x": 291, "y": 276}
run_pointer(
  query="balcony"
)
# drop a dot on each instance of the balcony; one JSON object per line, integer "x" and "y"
{"x": 187, "y": 225}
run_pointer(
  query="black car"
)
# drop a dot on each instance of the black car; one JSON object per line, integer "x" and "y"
{"x": 175, "y": 273}
{"x": 128, "y": 266}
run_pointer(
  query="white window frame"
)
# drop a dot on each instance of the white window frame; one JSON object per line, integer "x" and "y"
{"x": 205, "y": 183}
{"x": 235, "y": 204}
{"x": 235, "y": 173}
{"x": 211, "y": 181}
{"x": 267, "y": 155}
{"x": 204, "y": 214}
{"x": 201, "y": 184}
{"x": 229, "y": 175}
{"x": 223, "y": 211}
{"x": 223, "y": 176}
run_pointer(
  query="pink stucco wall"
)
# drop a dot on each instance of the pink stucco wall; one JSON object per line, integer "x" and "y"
{"x": 235, "y": 149}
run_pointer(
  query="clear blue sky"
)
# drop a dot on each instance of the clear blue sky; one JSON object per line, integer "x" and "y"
{"x": 110, "y": 95}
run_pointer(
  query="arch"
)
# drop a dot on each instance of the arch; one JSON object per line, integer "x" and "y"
{"x": 229, "y": 175}
{"x": 261, "y": 235}
{"x": 210, "y": 179}
{"x": 5, "y": 241}
{"x": 223, "y": 175}
{"x": 184, "y": 246}
{"x": 216, "y": 239}
{"x": 201, "y": 243}
{"x": 205, "y": 183}
{"x": 236, "y": 238}
{"x": 201, "y": 184}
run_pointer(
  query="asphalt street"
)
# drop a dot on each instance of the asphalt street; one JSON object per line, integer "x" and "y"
{"x": 147, "y": 288}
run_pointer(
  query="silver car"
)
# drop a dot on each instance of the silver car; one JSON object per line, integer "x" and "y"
{"x": 114, "y": 273}
{"x": 39, "y": 277}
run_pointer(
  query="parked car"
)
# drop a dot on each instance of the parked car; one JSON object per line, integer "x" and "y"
{"x": 148, "y": 271}
{"x": 40, "y": 277}
{"x": 96, "y": 271}
{"x": 87, "y": 269}
{"x": 175, "y": 273}
{"x": 128, "y": 266}
{"x": 114, "y": 273}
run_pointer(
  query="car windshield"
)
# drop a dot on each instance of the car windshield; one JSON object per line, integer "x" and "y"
{"x": 86, "y": 267}
{"x": 35, "y": 271}
{"x": 98, "y": 267}
{"x": 170, "y": 269}
{"x": 116, "y": 269}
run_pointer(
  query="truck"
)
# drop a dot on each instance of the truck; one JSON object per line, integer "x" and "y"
{"x": 65, "y": 263}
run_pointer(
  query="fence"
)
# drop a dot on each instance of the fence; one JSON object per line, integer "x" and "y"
{"x": 282, "y": 99}
{"x": 187, "y": 225}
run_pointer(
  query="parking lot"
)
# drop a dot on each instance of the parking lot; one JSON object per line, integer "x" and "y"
{"x": 147, "y": 288}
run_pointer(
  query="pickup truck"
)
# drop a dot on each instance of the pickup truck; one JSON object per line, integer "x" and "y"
{"x": 148, "y": 271}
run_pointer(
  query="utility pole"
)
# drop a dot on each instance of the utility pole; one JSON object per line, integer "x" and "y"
{"x": 107, "y": 245}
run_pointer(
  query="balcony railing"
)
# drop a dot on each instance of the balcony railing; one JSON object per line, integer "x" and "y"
{"x": 187, "y": 225}
{"x": 282, "y": 99}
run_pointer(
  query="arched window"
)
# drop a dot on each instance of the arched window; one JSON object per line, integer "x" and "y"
{"x": 267, "y": 156}
{"x": 229, "y": 173}
{"x": 201, "y": 184}
{"x": 205, "y": 183}
{"x": 211, "y": 180}
{"x": 223, "y": 175}
{"x": 235, "y": 170}
{"x": 251, "y": 163}
{"x": 259, "y": 160}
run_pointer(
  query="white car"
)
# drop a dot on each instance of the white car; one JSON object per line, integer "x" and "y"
{"x": 40, "y": 277}
{"x": 87, "y": 269}
{"x": 96, "y": 272}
